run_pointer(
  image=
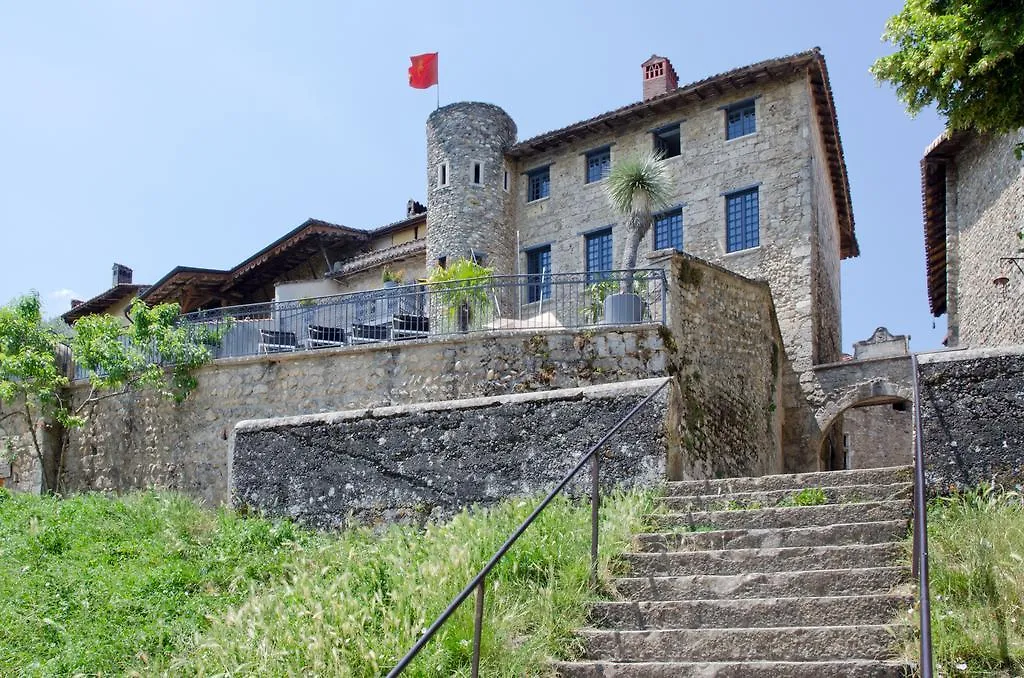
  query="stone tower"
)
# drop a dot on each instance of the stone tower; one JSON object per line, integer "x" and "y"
{"x": 469, "y": 190}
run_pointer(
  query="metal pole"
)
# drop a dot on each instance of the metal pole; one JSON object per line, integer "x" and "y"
{"x": 478, "y": 624}
{"x": 595, "y": 505}
{"x": 921, "y": 532}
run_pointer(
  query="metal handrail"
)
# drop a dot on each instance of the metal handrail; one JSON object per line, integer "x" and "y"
{"x": 920, "y": 558}
{"x": 478, "y": 582}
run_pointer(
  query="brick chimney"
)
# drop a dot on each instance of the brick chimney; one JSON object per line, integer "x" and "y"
{"x": 659, "y": 76}
{"x": 122, "y": 275}
{"x": 75, "y": 303}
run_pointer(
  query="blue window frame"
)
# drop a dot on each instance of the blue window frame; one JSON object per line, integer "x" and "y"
{"x": 538, "y": 263}
{"x": 740, "y": 120}
{"x": 741, "y": 221}
{"x": 599, "y": 254}
{"x": 599, "y": 163}
{"x": 538, "y": 184}
{"x": 668, "y": 230}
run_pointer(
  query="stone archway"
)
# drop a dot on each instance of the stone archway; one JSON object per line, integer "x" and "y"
{"x": 866, "y": 398}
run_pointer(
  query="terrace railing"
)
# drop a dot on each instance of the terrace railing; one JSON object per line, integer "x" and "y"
{"x": 417, "y": 311}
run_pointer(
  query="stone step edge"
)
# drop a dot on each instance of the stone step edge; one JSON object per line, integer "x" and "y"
{"x": 741, "y": 601}
{"x": 747, "y": 531}
{"x": 777, "y": 667}
{"x": 888, "y": 628}
{"x": 845, "y": 474}
{"x": 682, "y": 515}
{"x": 879, "y": 546}
{"x": 785, "y": 573}
{"x": 722, "y": 496}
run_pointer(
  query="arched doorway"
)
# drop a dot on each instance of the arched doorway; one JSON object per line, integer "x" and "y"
{"x": 867, "y": 425}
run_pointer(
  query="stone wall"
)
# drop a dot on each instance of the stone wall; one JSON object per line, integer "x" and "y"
{"x": 971, "y": 404}
{"x": 142, "y": 440}
{"x": 727, "y": 357}
{"x": 985, "y": 194}
{"x": 879, "y": 435}
{"x": 423, "y": 461}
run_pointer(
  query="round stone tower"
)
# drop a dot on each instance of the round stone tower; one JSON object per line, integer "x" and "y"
{"x": 469, "y": 201}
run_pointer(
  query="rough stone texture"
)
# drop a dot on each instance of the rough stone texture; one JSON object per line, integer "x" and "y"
{"x": 142, "y": 440}
{"x": 463, "y": 216}
{"x": 878, "y": 436}
{"x": 419, "y": 461}
{"x": 726, "y": 353}
{"x": 798, "y": 253}
{"x": 984, "y": 212}
{"x": 881, "y": 344}
{"x": 971, "y": 405}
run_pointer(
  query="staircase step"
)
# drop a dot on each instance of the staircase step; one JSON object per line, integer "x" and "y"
{"x": 749, "y": 613}
{"x": 738, "y": 561}
{"x": 819, "y": 535}
{"x": 841, "y": 582}
{"x": 795, "y": 481}
{"x": 804, "y": 643}
{"x": 755, "y": 669}
{"x": 844, "y": 494}
{"x": 800, "y": 516}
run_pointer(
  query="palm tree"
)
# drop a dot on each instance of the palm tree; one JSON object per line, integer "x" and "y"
{"x": 637, "y": 187}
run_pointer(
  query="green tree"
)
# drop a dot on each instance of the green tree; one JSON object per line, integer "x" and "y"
{"x": 636, "y": 188}
{"x": 155, "y": 351}
{"x": 965, "y": 56}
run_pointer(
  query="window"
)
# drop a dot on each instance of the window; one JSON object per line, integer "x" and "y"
{"x": 666, "y": 141}
{"x": 741, "y": 221}
{"x": 504, "y": 181}
{"x": 538, "y": 263}
{"x": 539, "y": 185}
{"x": 476, "y": 173}
{"x": 740, "y": 119}
{"x": 668, "y": 230}
{"x": 599, "y": 254}
{"x": 442, "y": 175}
{"x": 599, "y": 163}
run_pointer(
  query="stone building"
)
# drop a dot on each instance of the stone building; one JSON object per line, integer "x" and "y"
{"x": 973, "y": 195}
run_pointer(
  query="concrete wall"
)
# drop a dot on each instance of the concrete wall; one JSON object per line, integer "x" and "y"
{"x": 428, "y": 460}
{"x": 726, "y": 354}
{"x": 973, "y": 431}
{"x": 141, "y": 440}
{"x": 985, "y": 210}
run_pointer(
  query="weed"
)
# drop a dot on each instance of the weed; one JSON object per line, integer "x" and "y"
{"x": 809, "y": 496}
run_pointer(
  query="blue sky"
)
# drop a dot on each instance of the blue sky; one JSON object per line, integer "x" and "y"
{"x": 165, "y": 133}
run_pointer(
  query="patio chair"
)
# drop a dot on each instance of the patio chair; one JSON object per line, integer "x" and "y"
{"x": 322, "y": 337}
{"x": 407, "y": 326}
{"x": 368, "y": 334}
{"x": 275, "y": 341}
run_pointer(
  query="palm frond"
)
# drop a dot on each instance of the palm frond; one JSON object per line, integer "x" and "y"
{"x": 638, "y": 184}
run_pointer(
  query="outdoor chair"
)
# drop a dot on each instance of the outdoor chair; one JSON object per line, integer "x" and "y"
{"x": 406, "y": 326}
{"x": 368, "y": 334}
{"x": 275, "y": 341}
{"x": 323, "y": 337}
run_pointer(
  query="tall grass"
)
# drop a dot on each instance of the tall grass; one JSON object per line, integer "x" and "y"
{"x": 976, "y": 557}
{"x": 151, "y": 584}
{"x": 355, "y": 605}
{"x": 91, "y": 585}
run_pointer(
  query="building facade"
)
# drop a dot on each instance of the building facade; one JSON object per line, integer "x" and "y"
{"x": 973, "y": 199}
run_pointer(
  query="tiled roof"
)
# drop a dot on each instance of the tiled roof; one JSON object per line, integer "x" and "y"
{"x": 378, "y": 257}
{"x": 933, "y": 204}
{"x": 102, "y": 301}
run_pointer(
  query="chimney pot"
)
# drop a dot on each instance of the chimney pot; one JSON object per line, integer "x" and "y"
{"x": 75, "y": 303}
{"x": 659, "y": 76}
{"x": 122, "y": 275}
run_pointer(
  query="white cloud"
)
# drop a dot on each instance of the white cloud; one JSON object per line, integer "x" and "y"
{"x": 63, "y": 294}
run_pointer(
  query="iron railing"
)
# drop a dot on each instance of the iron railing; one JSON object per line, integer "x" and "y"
{"x": 920, "y": 557}
{"x": 416, "y": 311}
{"x": 479, "y": 582}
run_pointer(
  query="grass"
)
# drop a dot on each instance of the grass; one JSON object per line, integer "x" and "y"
{"x": 809, "y": 496}
{"x": 976, "y": 562}
{"x": 153, "y": 585}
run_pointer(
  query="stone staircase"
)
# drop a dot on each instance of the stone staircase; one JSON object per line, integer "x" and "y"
{"x": 790, "y": 575}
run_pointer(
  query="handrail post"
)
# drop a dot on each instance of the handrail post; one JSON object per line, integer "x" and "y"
{"x": 595, "y": 505}
{"x": 921, "y": 532}
{"x": 478, "y": 624}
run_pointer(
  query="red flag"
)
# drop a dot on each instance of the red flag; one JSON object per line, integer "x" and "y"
{"x": 423, "y": 72}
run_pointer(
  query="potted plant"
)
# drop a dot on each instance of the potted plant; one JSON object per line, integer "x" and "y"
{"x": 391, "y": 278}
{"x": 462, "y": 287}
{"x": 593, "y": 310}
{"x": 636, "y": 188}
